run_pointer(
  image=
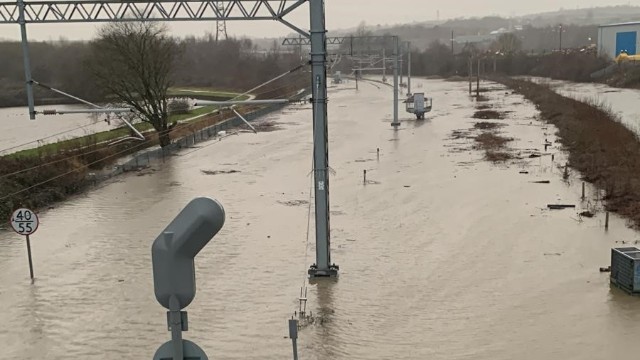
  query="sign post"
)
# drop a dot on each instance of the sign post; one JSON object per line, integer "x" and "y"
{"x": 25, "y": 222}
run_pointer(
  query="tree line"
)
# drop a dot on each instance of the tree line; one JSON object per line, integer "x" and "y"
{"x": 233, "y": 64}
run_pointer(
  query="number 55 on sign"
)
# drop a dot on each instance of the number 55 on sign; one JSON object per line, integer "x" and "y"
{"x": 25, "y": 222}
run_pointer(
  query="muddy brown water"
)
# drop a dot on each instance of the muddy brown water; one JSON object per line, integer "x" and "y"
{"x": 19, "y": 133}
{"x": 442, "y": 255}
{"x": 622, "y": 102}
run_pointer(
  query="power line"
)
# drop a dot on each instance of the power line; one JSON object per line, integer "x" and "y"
{"x": 71, "y": 171}
{"x": 99, "y": 160}
{"x": 47, "y": 137}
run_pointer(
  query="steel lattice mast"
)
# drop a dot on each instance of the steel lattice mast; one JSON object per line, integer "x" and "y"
{"x": 221, "y": 25}
{"x": 86, "y": 11}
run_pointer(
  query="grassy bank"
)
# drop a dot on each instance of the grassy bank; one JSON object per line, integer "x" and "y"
{"x": 40, "y": 177}
{"x": 111, "y": 135}
{"x": 605, "y": 152}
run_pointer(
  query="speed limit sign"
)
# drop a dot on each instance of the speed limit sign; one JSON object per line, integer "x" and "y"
{"x": 24, "y": 221}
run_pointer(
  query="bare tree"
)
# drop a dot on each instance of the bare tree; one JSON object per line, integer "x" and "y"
{"x": 134, "y": 61}
{"x": 507, "y": 43}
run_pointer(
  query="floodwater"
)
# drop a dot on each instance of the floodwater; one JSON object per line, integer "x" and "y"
{"x": 17, "y": 132}
{"x": 622, "y": 102}
{"x": 442, "y": 255}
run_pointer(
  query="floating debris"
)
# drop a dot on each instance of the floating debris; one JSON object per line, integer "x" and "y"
{"x": 484, "y": 125}
{"x": 560, "y": 207}
{"x": 541, "y": 182}
{"x": 488, "y": 114}
{"x": 267, "y": 126}
{"x": 294, "y": 202}
{"x": 219, "y": 172}
{"x": 587, "y": 214}
{"x": 605, "y": 269}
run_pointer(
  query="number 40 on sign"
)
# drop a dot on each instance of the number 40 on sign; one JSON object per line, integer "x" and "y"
{"x": 25, "y": 222}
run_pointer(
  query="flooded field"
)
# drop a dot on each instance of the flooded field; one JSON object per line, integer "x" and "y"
{"x": 623, "y": 102}
{"x": 17, "y": 132}
{"x": 443, "y": 255}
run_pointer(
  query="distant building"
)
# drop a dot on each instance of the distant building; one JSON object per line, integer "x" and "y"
{"x": 616, "y": 38}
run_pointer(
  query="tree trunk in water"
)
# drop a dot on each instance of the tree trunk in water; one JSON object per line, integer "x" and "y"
{"x": 165, "y": 138}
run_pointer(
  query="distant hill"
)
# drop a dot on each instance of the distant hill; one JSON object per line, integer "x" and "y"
{"x": 587, "y": 16}
{"x": 421, "y": 34}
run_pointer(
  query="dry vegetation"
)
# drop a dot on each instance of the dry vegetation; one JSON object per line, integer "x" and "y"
{"x": 488, "y": 115}
{"x": 600, "y": 147}
{"x": 483, "y": 125}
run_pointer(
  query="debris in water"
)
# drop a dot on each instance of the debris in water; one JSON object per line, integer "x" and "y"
{"x": 560, "y": 207}
{"x": 605, "y": 269}
{"x": 145, "y": 171}
{"x": 587, "y": 214}
{"x": 524, "y": 172}
{"x": 267, "y": 126}
{"x": 552, "y": 254}
{"x": 488, "y": 114}
{"x": 219, "y": 172}
{"x": 541, "y": 182}
{"x": 498, "y": 156}
{"x": 534, "y": 156}
{"x": 485, "y": 125}
{"x": 294, "y": 202}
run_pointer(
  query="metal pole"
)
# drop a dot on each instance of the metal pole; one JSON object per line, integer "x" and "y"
{"x": 323, "y": 266}
{"x": 175, "y": 318}
{"x": 26, "y": 59}
{"x": 396, "y": 51}
{"x": 29, "y": 255}
{"x": 478, "y": 80}
{"x": 401, "y": 65}
{"x": 560, "y": 45}
{"x": 384, "y": 65}
{"x": 470, "y": 74}
{"x": 293, "y": 334}
{"x": 409, "y": 71}
{"x": 452, "y": 51}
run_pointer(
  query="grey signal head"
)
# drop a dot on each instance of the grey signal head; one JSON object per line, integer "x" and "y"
{"x": 174, "y": 250}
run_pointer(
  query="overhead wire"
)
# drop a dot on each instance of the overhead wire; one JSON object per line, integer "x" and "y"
{"x": 46, "y": 137}
{"x": 73, "y": 171}
{"x": 144, "y": 142}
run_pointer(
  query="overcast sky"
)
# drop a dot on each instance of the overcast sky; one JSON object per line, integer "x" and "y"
{"x": 341, "y": 14}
